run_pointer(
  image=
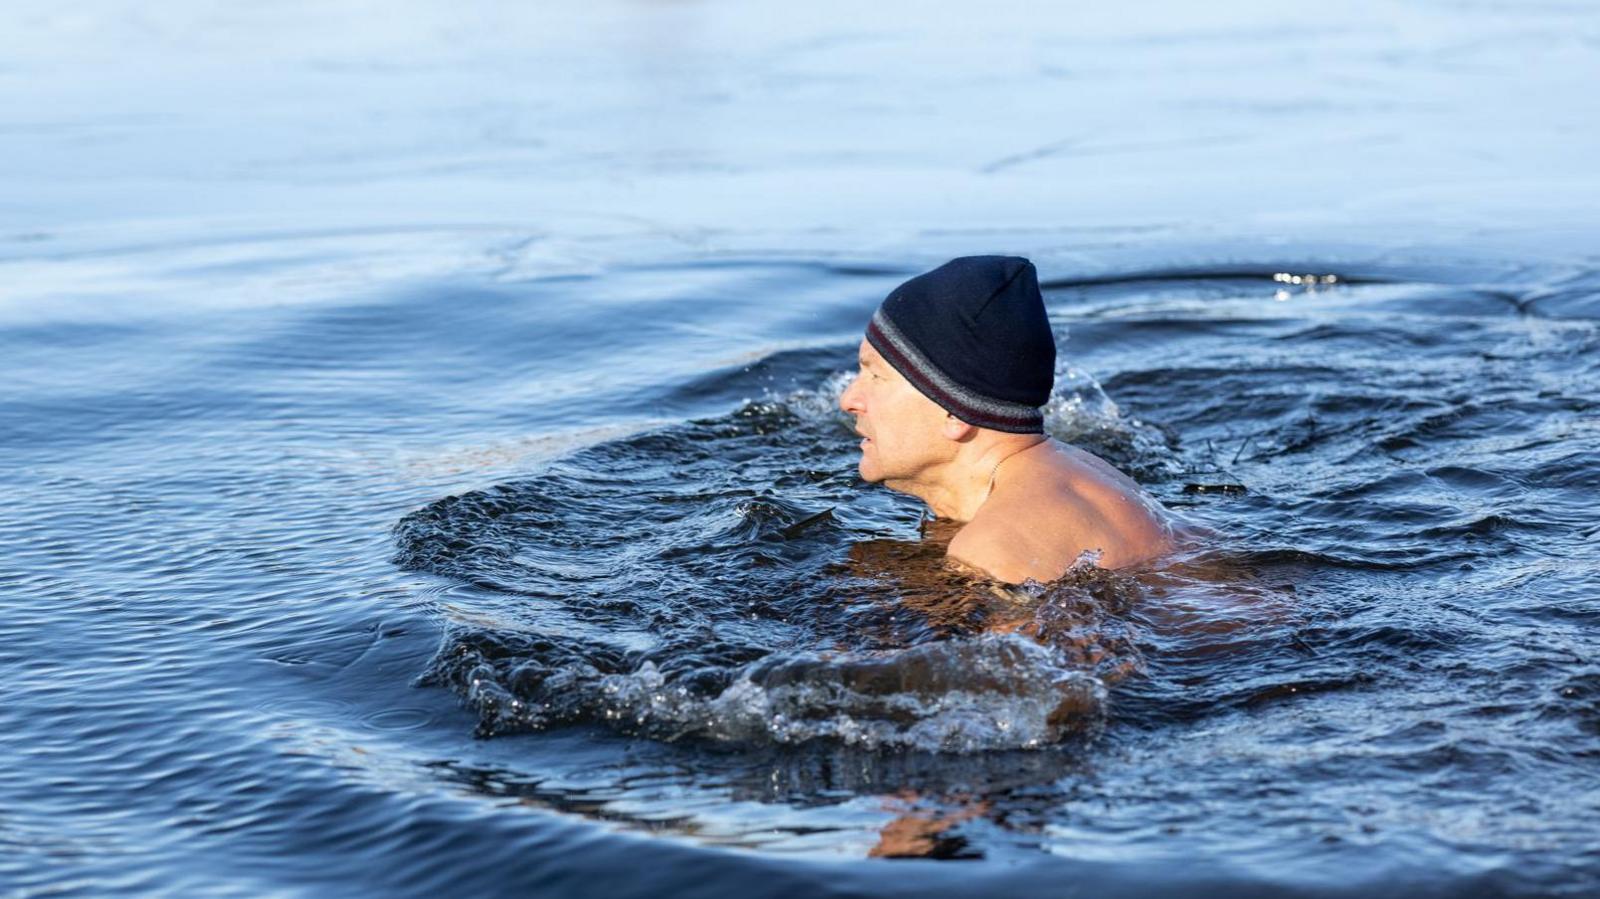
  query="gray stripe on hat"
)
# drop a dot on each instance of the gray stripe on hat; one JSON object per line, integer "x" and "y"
{"x": 961, "y": 394}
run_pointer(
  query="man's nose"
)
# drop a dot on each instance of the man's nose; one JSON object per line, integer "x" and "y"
{"x": 849, "y": 400}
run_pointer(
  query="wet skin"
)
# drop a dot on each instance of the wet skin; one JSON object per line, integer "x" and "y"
{"x": 1029, "y": 505}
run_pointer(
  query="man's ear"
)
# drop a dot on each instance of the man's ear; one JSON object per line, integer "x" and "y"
{"x": 956, "y": 429}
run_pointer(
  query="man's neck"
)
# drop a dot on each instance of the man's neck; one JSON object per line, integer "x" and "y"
{"x": 958, "y": 488}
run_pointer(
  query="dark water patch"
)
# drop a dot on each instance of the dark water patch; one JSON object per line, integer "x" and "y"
{"x": 1330, "y": 336}
{"x": 1578, "y": 700}
{"x": 1579, "y": 298}
{"x": 1574, "y": 470}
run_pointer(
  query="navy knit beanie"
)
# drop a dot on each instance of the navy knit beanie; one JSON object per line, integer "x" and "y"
{"x": 972, "y": 335}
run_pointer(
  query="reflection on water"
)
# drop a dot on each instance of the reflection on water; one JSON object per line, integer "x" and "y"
{"x": 924, "y": 830}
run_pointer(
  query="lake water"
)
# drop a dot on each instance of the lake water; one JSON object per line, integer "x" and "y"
{"x": 423, "y": 472}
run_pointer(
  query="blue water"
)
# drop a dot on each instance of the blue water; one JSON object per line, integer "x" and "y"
{"x": 422, "y": 473}
{"x": 211, "y": 651}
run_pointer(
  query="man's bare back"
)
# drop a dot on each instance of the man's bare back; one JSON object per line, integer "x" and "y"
{"x": 1050, "y": 504}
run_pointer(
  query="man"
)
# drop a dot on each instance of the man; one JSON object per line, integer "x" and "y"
{"x": 953, "y": 371}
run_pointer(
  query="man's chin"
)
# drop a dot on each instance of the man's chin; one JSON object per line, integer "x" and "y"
{"x": 869, "y": 473}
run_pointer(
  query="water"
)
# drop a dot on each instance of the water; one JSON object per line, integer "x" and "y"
{"x": 226, "y": 577}
{"x": 426, "y": 505}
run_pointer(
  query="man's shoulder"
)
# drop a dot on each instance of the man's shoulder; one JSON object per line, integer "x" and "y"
{"x": 1039, "y": 531}
{"x": 1004, "y": 547}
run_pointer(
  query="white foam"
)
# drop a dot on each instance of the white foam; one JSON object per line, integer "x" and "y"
{"x": 995, "y": 691}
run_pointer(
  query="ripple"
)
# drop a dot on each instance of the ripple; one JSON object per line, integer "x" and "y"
{"x": 398, "y": 719}
{"x": 308, "y": 708}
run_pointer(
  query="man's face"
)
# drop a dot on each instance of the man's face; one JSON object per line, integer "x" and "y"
{"x": 901, "y": 427}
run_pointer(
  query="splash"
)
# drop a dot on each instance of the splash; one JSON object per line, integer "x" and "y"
{"x": 989, "y": 691}
{"x": 994, "y": 691}
{"x": 1080, "y": 412}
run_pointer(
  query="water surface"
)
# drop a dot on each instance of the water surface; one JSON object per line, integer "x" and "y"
{"x": 272, "y": 570}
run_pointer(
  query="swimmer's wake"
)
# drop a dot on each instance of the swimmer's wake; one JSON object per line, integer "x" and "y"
{"x": 643, "y": 584}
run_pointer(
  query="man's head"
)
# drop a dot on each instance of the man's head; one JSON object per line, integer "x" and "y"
{"x": 964, "y": 347}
